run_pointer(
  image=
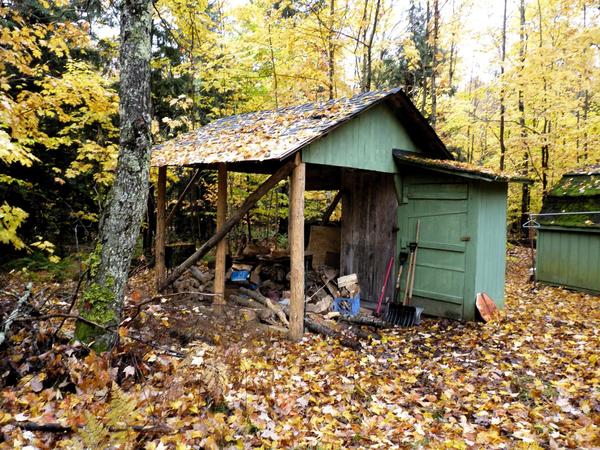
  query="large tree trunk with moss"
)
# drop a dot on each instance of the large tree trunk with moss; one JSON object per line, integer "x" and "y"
{"x": 102, "y": 298}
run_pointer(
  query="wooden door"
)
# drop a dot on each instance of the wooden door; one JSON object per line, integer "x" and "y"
{"x": 442, "y": 210}
{"x": 369, "y": 226}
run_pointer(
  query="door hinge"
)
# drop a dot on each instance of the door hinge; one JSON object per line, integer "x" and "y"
{"x": 465, "y": 238}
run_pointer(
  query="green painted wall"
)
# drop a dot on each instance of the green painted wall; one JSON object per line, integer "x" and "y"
{"x": 463, "y": 241}
{"x": 490, "y": 243}
{"x": 441, "y": 204}
{"x": 365, "y": 142}
{"x": 569, "y": 258}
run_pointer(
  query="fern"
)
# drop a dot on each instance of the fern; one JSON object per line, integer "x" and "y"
{"x": 111, "y": 429}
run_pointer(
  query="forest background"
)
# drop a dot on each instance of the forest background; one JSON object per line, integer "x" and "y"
{"x": 527, "y": 102}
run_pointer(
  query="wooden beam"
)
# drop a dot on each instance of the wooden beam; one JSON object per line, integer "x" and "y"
{"x": 331, "y": 208}
{"x": 219, "y": 288}
{"x": 296, "y": 242}
{"x": 161, "y": 226}
{"x": 254, "y": 197}
{"x": 182, "y": 195}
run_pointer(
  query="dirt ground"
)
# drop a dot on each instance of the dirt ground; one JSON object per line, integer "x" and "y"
{"x": 209, "y": 378}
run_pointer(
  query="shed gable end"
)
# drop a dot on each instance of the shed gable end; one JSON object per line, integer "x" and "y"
{"x": 365, "y": 142}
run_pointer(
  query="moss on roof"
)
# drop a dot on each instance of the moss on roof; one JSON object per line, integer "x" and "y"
{"x": 577, "y": 191}
{"x": 457, "y": 167}
{"x": 572, "y": 185}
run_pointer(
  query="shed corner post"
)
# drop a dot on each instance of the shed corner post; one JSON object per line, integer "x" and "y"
{"x": 161, "y": 216}
{"x": 219, "y": 287}
{"x": 296, "y": 243}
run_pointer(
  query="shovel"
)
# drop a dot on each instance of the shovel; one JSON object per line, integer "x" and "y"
{"x": 405, "y": 315}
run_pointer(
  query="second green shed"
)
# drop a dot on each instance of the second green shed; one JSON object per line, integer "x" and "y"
{"x": 568, "y": 245}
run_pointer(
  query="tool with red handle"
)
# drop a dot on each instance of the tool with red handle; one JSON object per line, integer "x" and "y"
{"x": 385, "y": 282}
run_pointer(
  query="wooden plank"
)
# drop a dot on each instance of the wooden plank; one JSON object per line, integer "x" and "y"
{"x": 438, "y": 296}
{"x": 161, "y": 226}
{"x": 219, "y": 287}
{"x": 331, "y": 208}
{"x": 296, "y": 240}
{"x": 438, "y": 191}
{"x": 369, "y": 224}
{"x": 460, "y": 248}
{"x": 254, "y": 197}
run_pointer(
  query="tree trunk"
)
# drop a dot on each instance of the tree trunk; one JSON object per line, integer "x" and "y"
{"x": 525, "y": 194}
{"x": 502, "y": 92}
{"x": 160, "y": 269}
{"x": 331, "y": 50}
{"x": 369, "y": 53}
{"x": 436, "y": 29}
{"x": 102, "y": 298}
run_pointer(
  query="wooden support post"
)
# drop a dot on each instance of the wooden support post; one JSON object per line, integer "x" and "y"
{"x": 160, "y": 239}
{"x": 236, "y": 216}
{"x": 219, "y": 288}
{"x": 296, "y": 242}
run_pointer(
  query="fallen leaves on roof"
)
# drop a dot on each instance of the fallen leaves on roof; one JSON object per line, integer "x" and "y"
{"x": 261, "y": 135}
{"x": 460, "y": 166}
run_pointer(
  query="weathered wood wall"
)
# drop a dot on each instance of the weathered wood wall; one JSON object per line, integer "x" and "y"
{"x": 369, "y": 206}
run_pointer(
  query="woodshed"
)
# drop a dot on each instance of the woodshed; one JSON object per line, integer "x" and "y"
{"x": 391, "y": 168}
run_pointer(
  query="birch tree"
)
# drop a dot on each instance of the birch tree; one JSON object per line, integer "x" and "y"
{"x": 102, "y": 299}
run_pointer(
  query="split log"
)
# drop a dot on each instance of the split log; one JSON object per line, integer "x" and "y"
{"x": 202, "y": 277}
{"x": 312, "y": 324}
{"x": 268, "y": 303}
{"x": 15, "y": 313}
{"x": 264, "y": 314}
{"x": 252, "y": 199}
{"x": 246, "y": 302}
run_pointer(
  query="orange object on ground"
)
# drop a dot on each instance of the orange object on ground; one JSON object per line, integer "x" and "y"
{"x": 486, "y": 307}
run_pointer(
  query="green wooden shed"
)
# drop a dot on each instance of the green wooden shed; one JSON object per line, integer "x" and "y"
{"x": 568, "y": 243}
{"x": 392, "y": 169}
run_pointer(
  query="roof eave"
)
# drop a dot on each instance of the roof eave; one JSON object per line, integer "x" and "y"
{"x": 400, "y": 157}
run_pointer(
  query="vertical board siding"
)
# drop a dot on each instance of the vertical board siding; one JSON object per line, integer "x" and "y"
{"x": 441, "y": 204}
{"x": 570, "y": 258}
{"x": 365, "y": 142}
{"x": 490, "y": 244}
{"x": 463, "y": 241}
{"x": 369, "y": 205}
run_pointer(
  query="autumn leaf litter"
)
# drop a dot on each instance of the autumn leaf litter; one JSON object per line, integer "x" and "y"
{"x": 526, "y": 380}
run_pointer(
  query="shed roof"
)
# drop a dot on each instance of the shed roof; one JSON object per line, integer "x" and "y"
{"x": 578, "y": 191}
{"x": 457, "y": 168}
{"x": 276, "y": 134}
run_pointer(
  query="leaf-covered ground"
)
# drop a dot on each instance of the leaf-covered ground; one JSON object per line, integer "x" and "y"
{"x": 527, "y": 380}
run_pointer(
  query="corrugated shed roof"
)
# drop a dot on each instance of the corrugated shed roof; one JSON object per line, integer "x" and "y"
{"x": 278, "y": 133}
{"x": 456, "y": 168}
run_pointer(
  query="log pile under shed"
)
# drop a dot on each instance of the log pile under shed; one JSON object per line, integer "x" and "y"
{"x": 258, "y": 284}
